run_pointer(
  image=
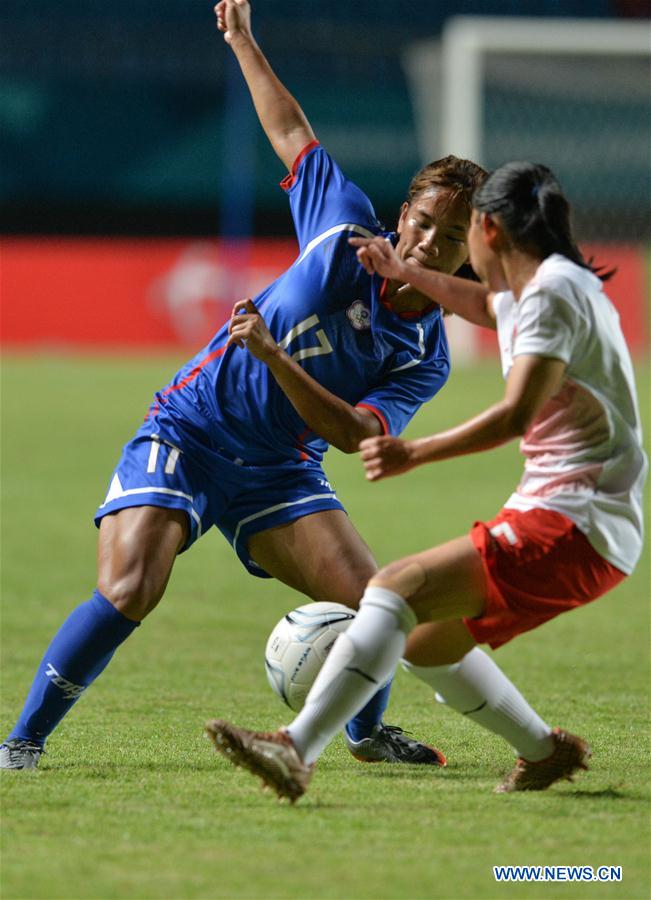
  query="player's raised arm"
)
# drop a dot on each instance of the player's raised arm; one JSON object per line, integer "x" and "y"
{"x": 468, "y": 299}
{"x": 283, "y": 120}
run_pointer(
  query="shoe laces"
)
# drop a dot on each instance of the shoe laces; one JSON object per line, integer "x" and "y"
{"x": 408, "y": 748}
{"x": 16, "y": 747}
{"x": 392, "y": 730}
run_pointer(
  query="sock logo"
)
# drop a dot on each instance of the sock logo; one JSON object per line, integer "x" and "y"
{"x": 70, "y": 691}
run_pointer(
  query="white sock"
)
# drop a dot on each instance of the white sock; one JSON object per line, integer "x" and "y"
{"x": 477, "y": 688}
{"x": 360, "y": 662}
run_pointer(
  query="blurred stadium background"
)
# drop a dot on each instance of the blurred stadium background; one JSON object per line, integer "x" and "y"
{"x": 140, "y": 197}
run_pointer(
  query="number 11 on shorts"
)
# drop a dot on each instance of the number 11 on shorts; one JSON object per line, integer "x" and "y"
{"x": 172, "y": 459}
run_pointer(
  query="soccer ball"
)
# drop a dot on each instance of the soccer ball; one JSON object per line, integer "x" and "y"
{"x": 298, "y": 646}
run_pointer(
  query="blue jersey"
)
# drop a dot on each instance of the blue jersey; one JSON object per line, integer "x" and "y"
{"x": 328, "y": 314}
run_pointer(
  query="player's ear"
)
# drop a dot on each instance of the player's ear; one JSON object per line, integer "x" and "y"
{"x": 492, "y": 230}
{"x": 404, "y": 209}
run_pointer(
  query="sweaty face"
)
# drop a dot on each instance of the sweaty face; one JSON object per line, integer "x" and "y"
{"x": 432, "y": 231}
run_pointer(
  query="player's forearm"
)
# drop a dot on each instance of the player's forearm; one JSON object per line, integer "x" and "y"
{"x": 327, "y": 415}
{"x": 491, "y": 428}
{"x": 281, "y": 117}
{"x": 467, "y": 299}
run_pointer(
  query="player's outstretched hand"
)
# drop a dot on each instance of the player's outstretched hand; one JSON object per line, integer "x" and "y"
{"x": 385, "y": 456}
{"x": 377, "y": 254}
{"x": 233, "y": 17}
{"x": 248, "y": 329}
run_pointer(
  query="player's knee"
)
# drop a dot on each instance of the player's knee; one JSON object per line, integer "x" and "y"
{"x": 349, "y": 589}
{"x": 132, "y": 594}
{"x": 405, "y": 577}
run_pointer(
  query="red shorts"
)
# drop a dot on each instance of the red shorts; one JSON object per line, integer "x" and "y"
{"x": 538, "y": 564}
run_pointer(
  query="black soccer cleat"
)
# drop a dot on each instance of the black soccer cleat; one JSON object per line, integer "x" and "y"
{"x": 388, "y": 743}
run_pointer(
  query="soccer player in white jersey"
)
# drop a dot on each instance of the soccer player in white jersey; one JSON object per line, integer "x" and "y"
{"x": 571, "y": 531}
{"x": 325, "y": 355}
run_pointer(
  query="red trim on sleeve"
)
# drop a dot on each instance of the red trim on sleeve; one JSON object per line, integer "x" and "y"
{"x": 376, "y": 412}
{"x": 290, "y": 178}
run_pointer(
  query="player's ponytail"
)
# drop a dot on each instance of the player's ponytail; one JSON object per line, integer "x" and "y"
{"x": 533, "y": 211}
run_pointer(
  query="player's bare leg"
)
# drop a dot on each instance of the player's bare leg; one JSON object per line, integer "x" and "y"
{"x": 438, "y": 643}
{"x": 136, "y": 552}
{"x": 440, "y": 584}
{"x": 324, "y": 557}
{"x": 321, "y": 555}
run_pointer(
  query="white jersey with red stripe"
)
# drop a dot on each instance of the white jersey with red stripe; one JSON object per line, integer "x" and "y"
{"x": 583, "y": 452}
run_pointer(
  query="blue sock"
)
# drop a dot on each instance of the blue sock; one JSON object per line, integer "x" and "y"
{"x": 361, "y": 726}
{"x": 81, "y": 649}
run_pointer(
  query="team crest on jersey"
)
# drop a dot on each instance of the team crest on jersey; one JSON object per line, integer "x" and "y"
{"x": 359, "y": 315}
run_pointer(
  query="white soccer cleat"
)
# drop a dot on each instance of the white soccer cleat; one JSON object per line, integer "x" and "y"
{"x": 17, "y": 753}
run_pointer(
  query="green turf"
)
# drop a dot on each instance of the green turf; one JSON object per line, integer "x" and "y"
{"x": 130, "y": 802}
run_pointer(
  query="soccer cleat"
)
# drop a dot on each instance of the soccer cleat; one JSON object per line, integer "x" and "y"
{"x": 570, "y": 754}
{"x": 388, "y": 743}
{"x": 17, "y": 753}
{"x": 270, "y": 755}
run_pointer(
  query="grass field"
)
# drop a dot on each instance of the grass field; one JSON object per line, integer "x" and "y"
{"x": 130, "y": 802}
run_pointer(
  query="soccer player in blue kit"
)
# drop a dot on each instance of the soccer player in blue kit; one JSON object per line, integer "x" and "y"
{"x": 325, "y": 355}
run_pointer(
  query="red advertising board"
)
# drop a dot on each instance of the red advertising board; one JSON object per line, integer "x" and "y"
{"x": 117, "y": 294}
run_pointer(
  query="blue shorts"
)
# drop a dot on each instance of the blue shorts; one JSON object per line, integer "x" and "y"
{"x": 239, "y": 499}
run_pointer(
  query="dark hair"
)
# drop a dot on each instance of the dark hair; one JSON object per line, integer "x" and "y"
{"x": 461, "y": 176}
{"x": 533, "y": 211}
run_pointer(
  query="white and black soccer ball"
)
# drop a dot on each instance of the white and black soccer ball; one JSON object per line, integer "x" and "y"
{"x": 298, "y": 646}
